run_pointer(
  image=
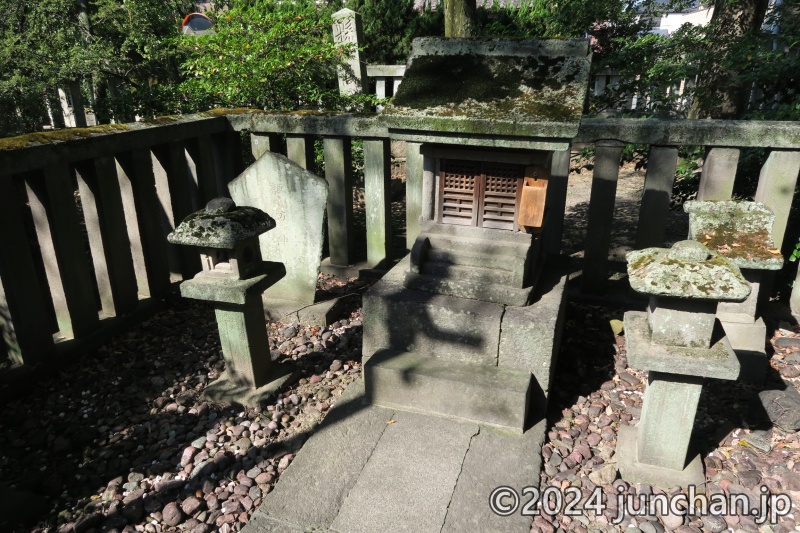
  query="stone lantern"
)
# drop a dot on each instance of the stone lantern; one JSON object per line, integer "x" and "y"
{"x": 678, "y": 341}
{"x": 233, "y": 278}
{"x": 742, "y": 233}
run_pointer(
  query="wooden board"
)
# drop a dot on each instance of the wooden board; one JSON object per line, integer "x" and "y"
{"x": 534, "y": 194}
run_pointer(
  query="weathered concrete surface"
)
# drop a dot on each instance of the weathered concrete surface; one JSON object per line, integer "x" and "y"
{"x": 420, "y": 383}
{"x": 687, "y": 270}
{"x": 218, "y": 227}
{"x": 413, "y": 495}
{"x": 718, "y": 173}
{"x": 744, "y": 312}
{"x": 319, "y": 479}
{"x": 348, "y": 30}
{"x": 296, "y": 199}
{"x": 372, "y": 469}
{"x": 719, "y": 361}
{"x": 681, "y": 322}
{"x": 487, "y": 100}
{"x": 493, "y": 460}
{"x": 632, "y": 471}
{"x": 482, "y": 290}
{"x": 530, "y": 336}
{"x": 441, "y": 326}
{"x": 668, "y": 411}
{"x": 748, "y": 337}
{"x": 739, "y": 231}
{"x": 318, "y": 314}
{"x": 232, "y": 291}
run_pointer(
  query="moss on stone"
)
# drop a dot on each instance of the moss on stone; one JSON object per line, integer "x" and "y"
{"x": 160, "y": 121}
{"x": 221, "y": 230}
{"x": 56, "y": 136}
{"x": 222, "y": 111}
{"x": 491, "y": 87}
{"x": 739, "y": 231}
{"x": 658, "y": 272}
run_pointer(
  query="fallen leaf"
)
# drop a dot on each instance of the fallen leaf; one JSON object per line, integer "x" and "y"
{"x": 390, "y": 422}
{"x": 616, "y": 326}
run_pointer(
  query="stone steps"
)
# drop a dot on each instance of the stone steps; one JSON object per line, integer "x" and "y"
{"x": 485, "y": 394}
{"x": 436, "y": 230}
{"x": 461, "y": 272}
{"x": 471, "y": 289}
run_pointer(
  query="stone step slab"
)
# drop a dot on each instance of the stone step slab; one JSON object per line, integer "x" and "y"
{"x": 474, "y": 274}
{"x": 410, "y": 477}
{"x": 470, "y": 289}
{"x": 495, "y": 459}
{"x": 470, "y": 232}
{"x": 315, "y": 484}
{"x": 456, "y": 329}
{"x": 410, "y": 381}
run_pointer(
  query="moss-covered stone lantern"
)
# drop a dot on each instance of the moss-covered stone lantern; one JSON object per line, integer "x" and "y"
{"x": 679, "y": 342}
{"x": 742, "y": 233}
{"x": 233, "y": 278}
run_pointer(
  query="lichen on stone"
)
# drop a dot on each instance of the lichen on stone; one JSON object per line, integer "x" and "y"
{"x": 221, "y": 230}
{"x": 488, "y": 81}
{"x": 681, "y": 272}
{"x": 739, "y": 231}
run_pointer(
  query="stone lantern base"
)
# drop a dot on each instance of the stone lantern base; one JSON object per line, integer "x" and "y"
{"x": 250, "y": 375}
{"x": 657, "y": 450}
{"x": 634, "y": 471}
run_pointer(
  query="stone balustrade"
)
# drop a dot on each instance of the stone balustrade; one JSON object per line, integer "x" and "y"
{"x": 74, "y": 273}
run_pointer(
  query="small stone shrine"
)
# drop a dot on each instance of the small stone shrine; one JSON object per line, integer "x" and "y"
{"x": 233, "y": 278}
{"x": 742, "y": 233}
{"x": 679, "y": 342}
{"x": 468, "y": 324}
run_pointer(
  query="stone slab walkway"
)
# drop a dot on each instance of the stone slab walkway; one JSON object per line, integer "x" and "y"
{"x": 372, "y": 469}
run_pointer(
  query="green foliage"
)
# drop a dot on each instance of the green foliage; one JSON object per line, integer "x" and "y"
{"x": 36, "y": 47}
{"x": 388, "y": 29}
{"x": 265, "y": 55}
{"x": 751, "y": 74}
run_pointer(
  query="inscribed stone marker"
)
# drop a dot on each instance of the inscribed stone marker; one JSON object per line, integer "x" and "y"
{"x": 347, "y": 30}
{"x": 296, "y": 199}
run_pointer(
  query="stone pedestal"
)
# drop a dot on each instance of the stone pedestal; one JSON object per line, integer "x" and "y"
{"x": 746, "y": 330}
{"x": 250, "y": 376}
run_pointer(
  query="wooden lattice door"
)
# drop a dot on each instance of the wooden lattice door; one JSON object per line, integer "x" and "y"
{"x": 482, "y": 194}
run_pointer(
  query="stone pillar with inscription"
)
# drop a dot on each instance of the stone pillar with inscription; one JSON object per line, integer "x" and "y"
{"x": 296, "y": 199}
{"x": 348, "y": 30}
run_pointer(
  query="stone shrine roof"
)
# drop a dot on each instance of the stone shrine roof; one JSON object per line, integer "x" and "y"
{"x": 221, "y": 225}
{"x": 511, "y": 87}
{"x": 687, "y": 270}
{"x": 739, "y": 231}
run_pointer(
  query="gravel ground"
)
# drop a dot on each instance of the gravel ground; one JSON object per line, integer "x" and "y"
{"x": 595, "y": 392}
{"x": 124, "y": 441}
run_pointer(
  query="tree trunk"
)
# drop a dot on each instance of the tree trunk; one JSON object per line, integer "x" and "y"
{"x": 718, "y": 93}
{"x": 459, "y": 18}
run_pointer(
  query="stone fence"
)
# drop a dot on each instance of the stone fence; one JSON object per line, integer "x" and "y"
{"x": 84, "y": 214}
